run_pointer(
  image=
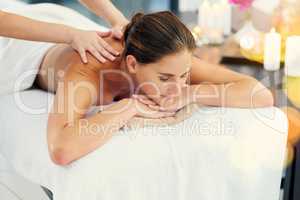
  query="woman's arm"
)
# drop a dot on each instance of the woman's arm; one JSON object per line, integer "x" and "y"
{"x": 84, "y": 135}
{"x": 20, "y": 27}
{"x": 216, "y": 85}
{"x": 106, "y": 10}
{"x": 71, "y": 134}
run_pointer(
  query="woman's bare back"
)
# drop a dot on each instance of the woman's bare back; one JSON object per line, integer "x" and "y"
{"x": 62, "y": 64}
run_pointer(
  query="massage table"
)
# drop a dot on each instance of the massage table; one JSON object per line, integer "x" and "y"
{"x": 217, "y": 153}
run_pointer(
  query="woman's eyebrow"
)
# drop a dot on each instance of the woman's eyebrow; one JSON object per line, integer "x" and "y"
{"x": 168, "y": 74}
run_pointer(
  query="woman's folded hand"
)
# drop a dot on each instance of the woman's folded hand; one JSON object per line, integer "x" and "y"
{"x": 144, "y": 110}
{"x": 171, "y": 103}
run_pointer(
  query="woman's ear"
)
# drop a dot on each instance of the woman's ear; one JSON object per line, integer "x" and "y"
{"x": 131, "y": 63}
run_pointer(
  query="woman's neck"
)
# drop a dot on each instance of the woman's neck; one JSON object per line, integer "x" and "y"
{"x": 120, "y": 81}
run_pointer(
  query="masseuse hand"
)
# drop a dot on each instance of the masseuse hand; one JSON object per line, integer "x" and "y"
{"x": 117, "y": 30}
{"x": 93, "y": 42}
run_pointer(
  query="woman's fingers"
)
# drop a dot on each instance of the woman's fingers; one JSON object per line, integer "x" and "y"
{"x": 145, "y": 110}
{"x": 141, "y": 96}
{"x": 145, "y": 99}
{"x": 156, "y": 107}
{"x": 161, "y": 115}
{"x": 167, "y": 114}
{"x": 153, "y": 106}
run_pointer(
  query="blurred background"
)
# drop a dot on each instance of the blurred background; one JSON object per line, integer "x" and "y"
{"x": 128, "y": 7}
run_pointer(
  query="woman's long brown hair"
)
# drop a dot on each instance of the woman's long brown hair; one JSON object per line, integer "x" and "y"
{"x": 149, "y": 37}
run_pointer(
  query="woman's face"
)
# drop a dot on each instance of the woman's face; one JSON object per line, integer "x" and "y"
{"x": 165, "y": 77}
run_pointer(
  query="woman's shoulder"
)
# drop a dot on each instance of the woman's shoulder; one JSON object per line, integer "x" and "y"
{"x": 94, "y": 63}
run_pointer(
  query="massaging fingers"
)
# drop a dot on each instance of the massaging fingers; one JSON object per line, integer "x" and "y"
{"x": 82, "y": 54}
{"x": 93, "y": 42}
{"x": 107, "y": 51}
{"x": 103, "y": 34}
{"x": 118, "y": 34}
{"x": 110, "y": 49}
{"x": 104, "y": 52}
{"x": 95, "y": 53}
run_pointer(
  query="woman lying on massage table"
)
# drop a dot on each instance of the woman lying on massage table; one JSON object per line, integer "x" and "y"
{"x": 157, "y": 66}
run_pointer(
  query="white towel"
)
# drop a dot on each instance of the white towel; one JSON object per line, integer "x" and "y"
{"x": 218, "y": 153}
{"x": 20, "y": 60}
{"x": 4, "y": 4}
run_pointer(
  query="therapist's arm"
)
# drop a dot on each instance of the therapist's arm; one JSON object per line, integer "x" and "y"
{"x": 20, "y": 27}
{"x": 106, "y": 10}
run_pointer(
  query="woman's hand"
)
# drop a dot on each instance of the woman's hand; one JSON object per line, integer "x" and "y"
{"x": 93, "y": 42}
{"x": 171, "y": 103}
{"x": 144, "y": 110}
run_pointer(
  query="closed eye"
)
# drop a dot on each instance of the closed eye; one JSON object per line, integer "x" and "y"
{"x": 166, "y": 79}
{"x": 163, "y": 78}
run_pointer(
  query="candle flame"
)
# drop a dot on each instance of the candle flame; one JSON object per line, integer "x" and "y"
{"x": 247, "y": 42}
{"x": 273, "y": 30}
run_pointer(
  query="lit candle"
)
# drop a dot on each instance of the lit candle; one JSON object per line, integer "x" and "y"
{"x": 204, "y": 14}
{"x": 272, "y": 51}
{"x": 227, "y": 17}
{"x": 218, "y": 17}
{"x": 292, "y": 56}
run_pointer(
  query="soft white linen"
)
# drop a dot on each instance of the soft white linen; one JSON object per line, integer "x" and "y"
{"x": 218, "y": 153}
{"x": 11, "y": 4}
{"x": 20, "y": 60}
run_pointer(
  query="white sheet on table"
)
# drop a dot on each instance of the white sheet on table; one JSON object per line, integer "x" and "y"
{"x": 188, "y": 162}
{"x": 54, "y": 13}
